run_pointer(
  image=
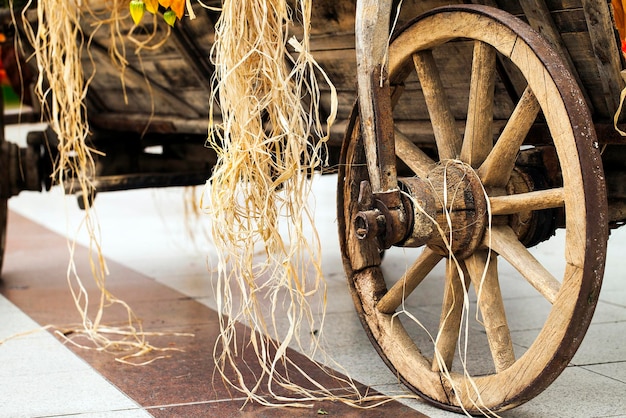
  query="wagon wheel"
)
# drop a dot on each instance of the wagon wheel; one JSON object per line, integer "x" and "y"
{"x": 482, "y": 246}
{"x": 3, "y": 171}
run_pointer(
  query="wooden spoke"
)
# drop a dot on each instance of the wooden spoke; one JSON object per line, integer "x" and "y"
{"x": 483, "y": 271}
{"x": 413, "y": 157}
{"x": 451, "y": 315}
{"x": 504, "y": 241}
{"x": 478, "y": 140}
{"x": 409, "y": 281}
{"x": 523, "y": 202}
{"x": 396, "y": 92}
{"x": 446, "y": 134}
{"x": 497, "y": 167}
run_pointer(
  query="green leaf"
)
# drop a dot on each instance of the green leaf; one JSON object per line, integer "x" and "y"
{"x": 137, "y": 9}
{"x": 170, "y": 17}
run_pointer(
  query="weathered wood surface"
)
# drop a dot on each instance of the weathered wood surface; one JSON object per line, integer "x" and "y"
{"x": 176, "y": 101}
{"x": 163, "y": 91}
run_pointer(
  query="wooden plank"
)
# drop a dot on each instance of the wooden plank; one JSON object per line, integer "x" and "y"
{"x": 592, "y": 47}
{"x": 581, "y": 51}
{"x": 605, "y": 46}
{"x": 568, "y": 4}
{"x": 570, "y": 21}
{"x": 514, "y": 7}
{"x": 540, "y": 19}
{"x": 143, "y": 123}
{"x": 331, "y": 16}
{"x": 371, "y": 34}
{"x": 107, "y": 86}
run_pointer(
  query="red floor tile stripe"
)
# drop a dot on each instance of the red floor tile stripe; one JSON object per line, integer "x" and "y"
{"x": 183, "y": 385}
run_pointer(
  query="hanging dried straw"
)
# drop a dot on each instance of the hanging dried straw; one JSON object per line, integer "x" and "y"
{"x": 61, "y": 87}
{"x": 269, "y": 142}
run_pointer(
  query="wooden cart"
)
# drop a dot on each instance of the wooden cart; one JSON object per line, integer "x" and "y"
{"x": 475, "y": 138}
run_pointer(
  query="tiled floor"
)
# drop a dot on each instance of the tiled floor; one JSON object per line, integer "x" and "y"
{"x": 158, "y": 267}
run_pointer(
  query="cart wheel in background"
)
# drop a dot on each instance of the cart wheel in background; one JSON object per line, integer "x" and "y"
{"x": 4, "y": 210}
{"x": 3, "y": 172}
{"x": 505, "y": 365}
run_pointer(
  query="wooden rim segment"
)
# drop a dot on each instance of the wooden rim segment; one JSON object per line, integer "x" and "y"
{"x": 4, "y": 214}
{"x": 573, "y": 296}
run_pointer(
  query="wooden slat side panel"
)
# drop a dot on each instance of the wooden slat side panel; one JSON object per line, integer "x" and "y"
{"x": 333, "y": 46}
{"x": 513, "y": 6}
{"x": 540, "y": 19}
{"x": 161, "y": 82}
{"x": 579, "y": 46}
{"x": 587, "y": 30}
{"x": 605, "y": 46}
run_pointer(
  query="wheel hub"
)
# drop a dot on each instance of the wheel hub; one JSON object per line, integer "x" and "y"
{"x": 531, "y": 227}
{"x": 447, "y": 211}
{"x": 21, "y": 168}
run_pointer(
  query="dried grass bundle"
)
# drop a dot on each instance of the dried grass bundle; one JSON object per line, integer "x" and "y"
{"x": 61, "y": 87}
{"x": 269, "y": 142}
